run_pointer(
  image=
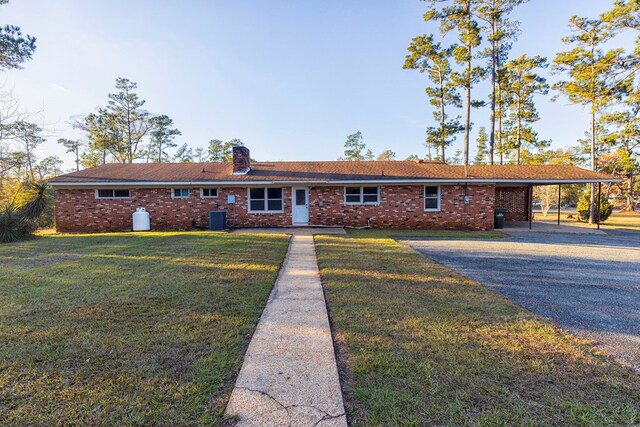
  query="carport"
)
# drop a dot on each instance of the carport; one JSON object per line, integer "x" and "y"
{"x": 516, "y": 198}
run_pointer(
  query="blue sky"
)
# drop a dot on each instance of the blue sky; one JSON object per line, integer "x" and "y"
{"x": 290, "y": 78}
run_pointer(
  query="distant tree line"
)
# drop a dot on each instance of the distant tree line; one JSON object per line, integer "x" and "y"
{"x": 356, "y": 150}
{"x": 124, "y": 132}
{"x": 25, "y": 200}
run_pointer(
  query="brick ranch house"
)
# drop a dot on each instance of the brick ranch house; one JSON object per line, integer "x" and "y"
{"x": 379, "y": 194}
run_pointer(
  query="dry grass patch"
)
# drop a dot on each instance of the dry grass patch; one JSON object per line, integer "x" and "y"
{"x": 128, "y": 329}
{"x": 377, "y": 234}
{"x": 618, "y": 220}
{"x": 421, "y": 345}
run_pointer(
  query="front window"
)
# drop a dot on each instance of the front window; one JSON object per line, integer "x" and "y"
{"x": 362, "y": 195}
{"x": 432, "y": 198}
{"x": 180, "y": 193}
{"x": 209, "y": 192}
{"x": 113, "y": 194}
{"x": 265, "y": 200}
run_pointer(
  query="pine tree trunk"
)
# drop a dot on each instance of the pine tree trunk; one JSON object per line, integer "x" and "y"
{"x": 518, "y": 142}
{"x": 593, "y": 163}
{"x": 518, "y": 133}
{"x": 442, "y": 121}
{"x": 467, "y": 116}
{"x": 492, "y": 124}
{"x": 499, "y": 133}
{"x": 631, "y": 205}
{"x": 467, "y": 113}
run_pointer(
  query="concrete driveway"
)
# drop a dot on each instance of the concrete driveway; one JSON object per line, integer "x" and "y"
{"x": 589, "y": 285}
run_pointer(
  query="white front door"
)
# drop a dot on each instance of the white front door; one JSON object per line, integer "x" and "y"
{"x": 300, "y": 206}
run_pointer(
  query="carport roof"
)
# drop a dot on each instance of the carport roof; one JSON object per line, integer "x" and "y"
{"x": 318, "y": 172}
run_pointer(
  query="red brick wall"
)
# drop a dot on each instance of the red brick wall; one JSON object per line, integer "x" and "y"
{"x": 515, "y": 200}
{"x": 77, "y": 210}
{"x": 403, "y": 207}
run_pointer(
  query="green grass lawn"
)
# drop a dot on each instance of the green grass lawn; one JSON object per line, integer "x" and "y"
{"x": 617, "y": 220}
{"x": 129, "y": 329}
{"x": 374, "y": 233}
{"x": 420, "y": 345}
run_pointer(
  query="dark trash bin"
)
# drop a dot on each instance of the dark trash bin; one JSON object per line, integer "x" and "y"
{"x": 217, "y": 220}
{"x": 499, "y": 217}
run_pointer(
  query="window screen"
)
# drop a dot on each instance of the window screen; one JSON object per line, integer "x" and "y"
{"x": 352, "y": 194}
{"x": 265, "y": 200}
{"x": 431, "y": 198}
{"x": 370, "y": 194}
{"x": 113, "y": 194}
{"x": 361, "y": 195}
{"x": 209, "y": 192}
{"x": 181, "y": 192}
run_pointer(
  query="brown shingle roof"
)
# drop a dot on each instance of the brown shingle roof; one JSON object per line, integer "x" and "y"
{"x": 321, "y": 172}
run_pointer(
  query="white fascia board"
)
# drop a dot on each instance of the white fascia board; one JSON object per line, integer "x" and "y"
{"x": 157, "y": 183}
{"x": 475, "y": 181}
{"x": 341, "y": 182}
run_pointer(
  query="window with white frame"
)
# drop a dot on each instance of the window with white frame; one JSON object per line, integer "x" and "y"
{"x": 362, "y": 195}
{"x": 266, "y": 200}
{"x": 209, "y": 192}
{"x": 113, "y": 194}
{"x": 180, "y": 193}
{"x": 432, "y": 198}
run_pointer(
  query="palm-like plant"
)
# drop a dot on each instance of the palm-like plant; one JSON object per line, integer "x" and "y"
{"x": 19, "y": 223}
{"x": 12, "y": 227}
{"x": 36, "y": 198}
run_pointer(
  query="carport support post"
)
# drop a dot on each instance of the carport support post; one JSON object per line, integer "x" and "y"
{"x": 530, "y": 205}
{"x": 599, "y": 203}
{"x": 559, "y": 198}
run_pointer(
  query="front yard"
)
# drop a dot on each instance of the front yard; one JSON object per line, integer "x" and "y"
{"x": 618, "y": 220}
{"x": 421, "y": 345}
{"x": 124, "y": 329}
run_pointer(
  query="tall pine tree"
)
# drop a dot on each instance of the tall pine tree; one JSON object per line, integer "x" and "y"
{"x": 500, "y": 31}
{"x": 589, "y": 69}
{"x": 481, "y": 147}
{"x": 458, "y": 15}
{"x": 162, "y": 137}
{"x": 521, "y": 84}
{"x": 429, "y": 57}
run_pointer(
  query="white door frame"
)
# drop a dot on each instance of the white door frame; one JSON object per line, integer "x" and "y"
{"x": 295, "y": 206}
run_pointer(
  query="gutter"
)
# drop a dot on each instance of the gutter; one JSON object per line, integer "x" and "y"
{"x": 326, "y": 183}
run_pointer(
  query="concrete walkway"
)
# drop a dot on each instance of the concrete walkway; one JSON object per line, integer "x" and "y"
{"x": 289, "y": 376}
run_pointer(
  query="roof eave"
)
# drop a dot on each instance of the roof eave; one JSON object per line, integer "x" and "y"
{"x": 242, "y": 183}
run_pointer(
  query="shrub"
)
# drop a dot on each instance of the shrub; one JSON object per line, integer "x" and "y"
{"x": 33, "y": 203}
{"x": 13, "y": 227}
{"x": 606, "y": 208}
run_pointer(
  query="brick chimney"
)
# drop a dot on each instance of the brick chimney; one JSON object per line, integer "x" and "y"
{"x": 241, "y": 160}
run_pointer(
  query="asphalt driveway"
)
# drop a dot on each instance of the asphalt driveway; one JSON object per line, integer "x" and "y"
{"x": 589, "y": 285}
